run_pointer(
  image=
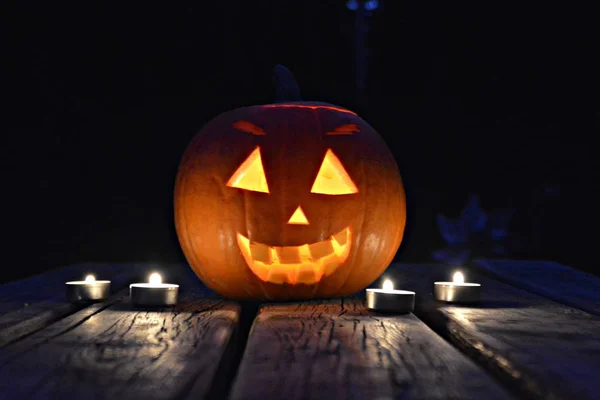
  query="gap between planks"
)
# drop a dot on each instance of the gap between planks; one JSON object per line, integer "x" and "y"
{"x": 337, "y": 349}
{"x": 34, "y": 303}
{"x": 537, "y": 347}
{"x": 548, "y": 279}
{"x": 494, "y": 345}
{"x": 115, "y": 351}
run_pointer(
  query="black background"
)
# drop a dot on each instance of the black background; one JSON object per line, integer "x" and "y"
{"x": 101, "y": 99}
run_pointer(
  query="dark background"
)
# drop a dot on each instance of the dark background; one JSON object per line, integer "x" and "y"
{"x": 101, "y": 99}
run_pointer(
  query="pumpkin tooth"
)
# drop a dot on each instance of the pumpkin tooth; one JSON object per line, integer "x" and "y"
{"x": 306, "y": 274}
{"x": 288, "y": 254}
{"x": 273, "y": 253}
{"x": 292, "y": 274}
{"x": 320, "y": 249}
{"x": 260, "y": 252}
{"x": 341, "y": 237}
{"x": 279, "y": 274}
{"x": 261, "y": 270}
{"x": 305, "y": 253}
{"x": 337, "y": 249}
{"x": 244, "y": 245}
{"x": 330, "y": 263}
{"x": 319, "y": 271}
{"x": 306, "y": 264}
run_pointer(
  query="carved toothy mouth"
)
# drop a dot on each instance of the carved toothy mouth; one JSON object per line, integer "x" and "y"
{"x": 306, "y": 264}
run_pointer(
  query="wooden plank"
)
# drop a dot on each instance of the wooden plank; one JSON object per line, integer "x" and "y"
{"x": 339, "y": 350}
{"x": 115, "y": 351}
{"x": 549, "y": 279}
{"x": 33, "y": 303}
{"x": 541, "y": 349}
{"x": 50, "y": 285}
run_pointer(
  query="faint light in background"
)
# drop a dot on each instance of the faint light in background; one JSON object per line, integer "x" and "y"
{"x": 369, "y": 5}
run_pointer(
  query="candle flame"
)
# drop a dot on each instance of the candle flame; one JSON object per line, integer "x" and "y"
{"x": 388, "y": 285}
{"x": 90, "y": 278}
{"x": 155, "y": 278}
{"x": 458, "y": 277}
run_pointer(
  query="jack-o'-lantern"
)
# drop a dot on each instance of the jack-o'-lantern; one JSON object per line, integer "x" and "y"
{"x": 293, "y": 200}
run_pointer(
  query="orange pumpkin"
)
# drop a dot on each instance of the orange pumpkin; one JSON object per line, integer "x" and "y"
{"x": 294, "y": 200}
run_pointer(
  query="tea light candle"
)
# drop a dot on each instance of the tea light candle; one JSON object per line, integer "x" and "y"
{"x": 87, "y": 290}
{"x": 154, "y": 293}
{"x": 389, "y": 300}
{"x": 457, "y": 291}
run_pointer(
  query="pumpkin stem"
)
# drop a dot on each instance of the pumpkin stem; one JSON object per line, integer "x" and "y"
{"x": 286, "y": 88}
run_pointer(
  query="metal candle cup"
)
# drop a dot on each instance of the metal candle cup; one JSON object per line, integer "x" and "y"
{"x": 389, "y": 300}
{"x": 457, "y": 291}
{"x": 154, "y": 293}
{"x": 88, "y": 290}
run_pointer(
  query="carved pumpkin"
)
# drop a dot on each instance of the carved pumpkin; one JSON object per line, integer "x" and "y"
{"x": 293, "y": 200}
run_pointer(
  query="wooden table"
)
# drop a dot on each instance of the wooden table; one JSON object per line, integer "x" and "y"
{"x": 536, "y": 334}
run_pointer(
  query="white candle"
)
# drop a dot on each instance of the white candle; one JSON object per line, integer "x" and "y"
{"x": 457, "y": 291}
{"x": 87, "y": 290}
{"x": 154, "y": 293}
{"x": 388, "y": 299}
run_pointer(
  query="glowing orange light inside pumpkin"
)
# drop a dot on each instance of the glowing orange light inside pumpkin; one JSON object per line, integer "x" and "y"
{"x": 298, "y": 217}
{"x": 307, "y": 263}
{"x": 347, "y": 129}
{"x": 323, "y": 107}
{"x": 333, "y": 178}
{"x": 249, "y": 127}
{"x": 250, "y": 175}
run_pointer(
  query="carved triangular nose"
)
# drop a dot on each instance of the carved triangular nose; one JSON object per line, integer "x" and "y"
{"x": 298, "y": 217}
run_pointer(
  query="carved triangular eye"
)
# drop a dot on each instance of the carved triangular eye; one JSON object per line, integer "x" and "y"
{"x": 333, "y": 178}
{"x": 250, "y": 175}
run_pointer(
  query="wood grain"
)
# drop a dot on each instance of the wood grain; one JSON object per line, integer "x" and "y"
{"x": 548, "y": 279}
{"x": 50, "y": 285}
{"x": 338, "y": 350}
{"x": 33, "y": 303}
{"x": 114, "y": 351}
{"x": 542, "y": 349}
